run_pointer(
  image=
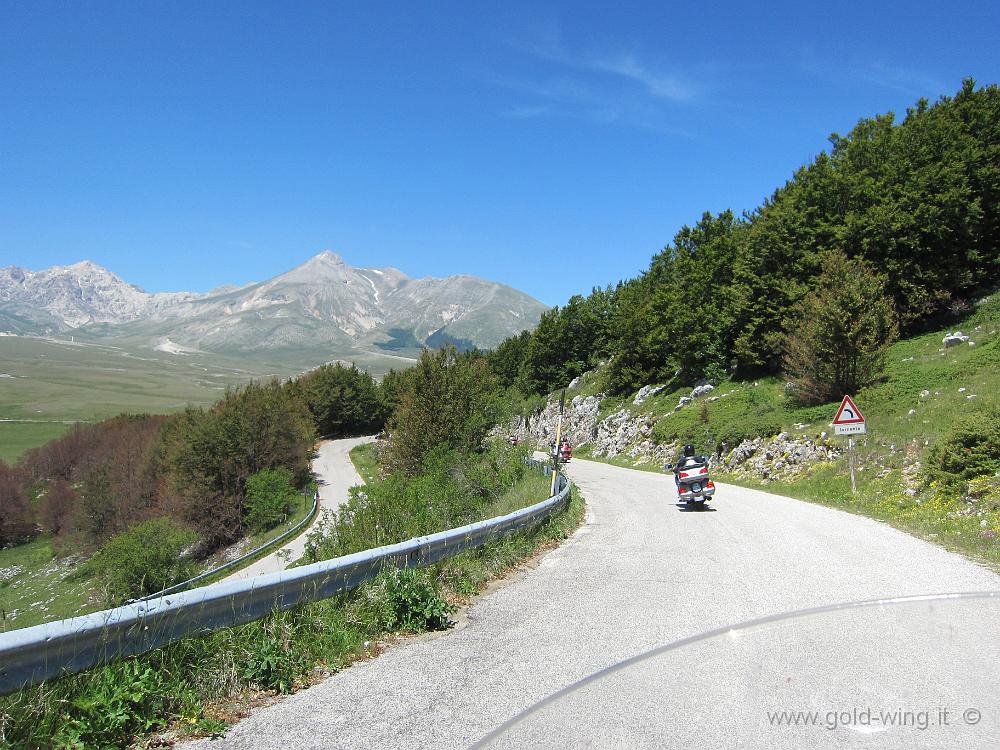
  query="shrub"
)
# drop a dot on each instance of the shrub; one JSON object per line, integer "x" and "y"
{"x": 123, "y": 699}
{"x": 412, "y": 602}
{"x": 970, "y": 450}
{"x": 271, "y": 496}
{"x": 143, "y": 560}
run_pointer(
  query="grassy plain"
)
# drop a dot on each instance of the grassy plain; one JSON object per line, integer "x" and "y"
{"x": 46, "y": 384}
{"x": 17, "y": 437}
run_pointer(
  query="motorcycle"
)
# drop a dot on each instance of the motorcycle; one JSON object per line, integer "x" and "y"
{"x": 565, "y": 452}
{"x": 694, "y": 485}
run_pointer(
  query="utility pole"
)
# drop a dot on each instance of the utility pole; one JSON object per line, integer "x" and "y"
{"x": 555, "y": 452}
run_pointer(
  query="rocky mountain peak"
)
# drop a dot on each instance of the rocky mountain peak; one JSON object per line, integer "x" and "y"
{"x": 78, "y": 294}
{"x": 321, "y": 308}
{"x": 328, "y": 256}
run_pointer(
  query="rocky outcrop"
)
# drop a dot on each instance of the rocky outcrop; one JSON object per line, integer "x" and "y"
{"x": 954, "y": 339}
{"x": 780, "y": 457}
{"x": 579, "y": 421}
{"x": 647, "y": 391}
{"x": 624, "y": 433}
{"x": 615, "y": 433}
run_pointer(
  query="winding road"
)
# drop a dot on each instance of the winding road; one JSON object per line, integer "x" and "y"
{"x": 639, "y": 573}
{"x": 335, "y": 475}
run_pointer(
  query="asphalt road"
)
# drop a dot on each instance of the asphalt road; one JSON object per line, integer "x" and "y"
{"x": 643, "y": 572}
{"x": 335, "y": 473}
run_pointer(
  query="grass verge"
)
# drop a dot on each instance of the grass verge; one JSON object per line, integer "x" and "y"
{"x": 364, "y": 460}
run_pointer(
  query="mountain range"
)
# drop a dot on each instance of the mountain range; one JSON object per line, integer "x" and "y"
{"x": 319, "y": 311}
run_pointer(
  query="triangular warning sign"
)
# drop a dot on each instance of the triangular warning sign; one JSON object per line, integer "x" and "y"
{"x": 848, "y": 413}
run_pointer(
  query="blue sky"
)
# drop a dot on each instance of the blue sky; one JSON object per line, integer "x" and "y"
{"x": 551, "y": 147}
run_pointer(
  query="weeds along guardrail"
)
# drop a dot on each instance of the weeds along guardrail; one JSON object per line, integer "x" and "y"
{"x": 32, "y": 655}
{"x": 238, "y": 561}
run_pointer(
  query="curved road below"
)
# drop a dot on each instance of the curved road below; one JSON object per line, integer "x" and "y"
{"x": 335, "y": 475}
{"x": 641, "y": 572}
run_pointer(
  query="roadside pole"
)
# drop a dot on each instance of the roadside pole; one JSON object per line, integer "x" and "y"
{"x": 850, "y": 460}
{"x": 850, "y": 421}
{"x": 555, "y": 453}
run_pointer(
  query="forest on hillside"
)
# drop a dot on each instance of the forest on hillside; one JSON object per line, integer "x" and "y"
{"x": 914, "y": 203}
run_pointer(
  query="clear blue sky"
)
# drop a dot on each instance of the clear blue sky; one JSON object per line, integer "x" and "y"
{"x": 190, "y": 144}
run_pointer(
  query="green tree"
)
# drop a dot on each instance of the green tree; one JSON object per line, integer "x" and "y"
{"x": 210, "y": 455}
{"x": 391, "y": 388}
{"x": 271, "y": 496}
{"x": 677, "y": 320}
{"x": 567, "y": 342}
{"x": 451, "y": 399}
{"x": 506, "y": 359}
{"x": 342, "y": 400}
{"x": 839, "y": 337}
{"x": 918, "y": 200}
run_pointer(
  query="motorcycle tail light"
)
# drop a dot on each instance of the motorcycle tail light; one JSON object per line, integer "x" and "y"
{"x": 684, "y": 475}
{"x": 711, "y": 485}
{"x": 703, "y": 470}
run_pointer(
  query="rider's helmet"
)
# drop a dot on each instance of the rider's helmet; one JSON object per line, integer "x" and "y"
{"x": 689, "y": 450}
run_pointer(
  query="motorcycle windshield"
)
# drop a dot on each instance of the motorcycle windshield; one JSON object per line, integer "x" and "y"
{"x": 920, "y": 672}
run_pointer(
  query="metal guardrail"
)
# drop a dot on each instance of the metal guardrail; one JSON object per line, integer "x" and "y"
{"x": 31, "y": 655}
{"x": 238, "y": 561}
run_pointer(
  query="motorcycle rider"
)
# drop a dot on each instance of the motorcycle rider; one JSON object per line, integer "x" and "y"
{"x": 684, "y": 461}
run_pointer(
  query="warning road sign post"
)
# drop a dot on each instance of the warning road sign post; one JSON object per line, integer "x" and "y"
{"x": 850, "y": 421}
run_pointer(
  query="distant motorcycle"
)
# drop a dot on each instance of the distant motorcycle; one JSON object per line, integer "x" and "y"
{"x": 565, "y": 452}
{"x": 694, "y": 485}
